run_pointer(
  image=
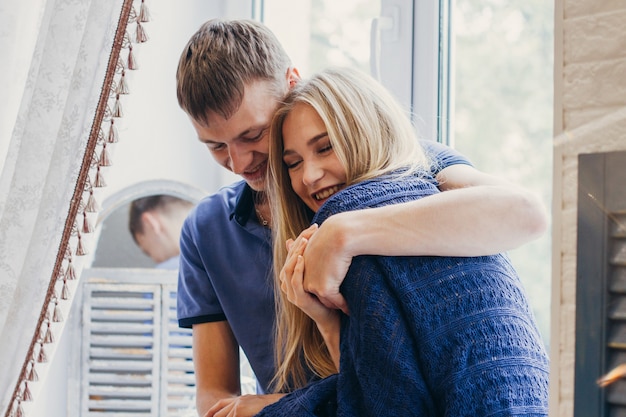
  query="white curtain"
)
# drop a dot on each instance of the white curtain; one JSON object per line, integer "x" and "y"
{"x": 53, "y": 59}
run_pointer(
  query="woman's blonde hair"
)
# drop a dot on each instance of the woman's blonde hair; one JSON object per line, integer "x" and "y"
{"x": 371, "y": 135}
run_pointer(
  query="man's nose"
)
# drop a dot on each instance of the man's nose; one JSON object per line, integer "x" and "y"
{"x": 239, "y": 159}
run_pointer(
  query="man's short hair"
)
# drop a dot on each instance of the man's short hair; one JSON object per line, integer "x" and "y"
{"x": 159, "y": 202}
{"x": 220, "y": 59}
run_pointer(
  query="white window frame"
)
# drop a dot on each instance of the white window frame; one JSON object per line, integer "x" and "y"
{"x": 415, "y": 62}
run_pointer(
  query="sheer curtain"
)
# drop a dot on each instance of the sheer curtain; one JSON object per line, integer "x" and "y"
{"x": 54, "y": 60}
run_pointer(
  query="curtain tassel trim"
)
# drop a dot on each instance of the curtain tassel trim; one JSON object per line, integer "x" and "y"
{"x": 144, "y": 13}
{"x": 48, "y": 336}
{"x": 140, "y": 33}
{"x": 57, "y": 316}
{"x": 105, "y": 158}
{"x": 109, "y": 110}
{"x": 132, "y": 61}
{"x": 42, "y": 357}
{"x": 26, "y": 395}
{"x": 122, "y": 85}
{"x": 113, "y": 134}
{"x": 32, "y": 372}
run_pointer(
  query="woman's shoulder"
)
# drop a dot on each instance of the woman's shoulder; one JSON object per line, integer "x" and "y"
{"x": 386, "y": 189}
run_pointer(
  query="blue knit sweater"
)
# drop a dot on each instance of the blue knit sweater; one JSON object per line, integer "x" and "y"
{"x": 427, "y": 336}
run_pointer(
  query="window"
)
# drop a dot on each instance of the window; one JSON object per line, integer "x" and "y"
{"x": 375, "y": 36}
{"x": 502, "y": 111}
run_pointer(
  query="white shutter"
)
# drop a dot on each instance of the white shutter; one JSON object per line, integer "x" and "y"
{"x": 177, "y": 378}
{"x": 121, "y": 350}
{"x": 135, "y": 361}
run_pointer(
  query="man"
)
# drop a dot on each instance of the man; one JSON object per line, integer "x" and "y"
{"x": 155, "y": 223}
{"x": 230, "y": 77}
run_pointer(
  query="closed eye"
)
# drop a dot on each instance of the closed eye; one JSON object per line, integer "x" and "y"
{"x": 215, "y": 147}
{"x": 257, "y": 137}
{"x": 325, "y": 149}
{"x": 292, "y": 164}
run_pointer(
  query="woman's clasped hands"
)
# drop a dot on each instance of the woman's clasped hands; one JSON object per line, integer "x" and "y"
{"x": 291, "y": 283}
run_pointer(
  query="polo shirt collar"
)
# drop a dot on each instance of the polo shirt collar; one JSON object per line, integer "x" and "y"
{"x": 244, "y": 205}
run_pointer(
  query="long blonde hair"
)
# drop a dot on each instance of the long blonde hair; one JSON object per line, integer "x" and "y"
{"x": 371, "y": 135}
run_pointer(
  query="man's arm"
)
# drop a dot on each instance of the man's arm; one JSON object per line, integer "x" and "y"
{"x": 216, "y": 364}
{"x": 477, "y": 214}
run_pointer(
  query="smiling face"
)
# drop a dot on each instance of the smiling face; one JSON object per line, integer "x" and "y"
{"x": 240, "y": 143}
{"x": 314, "y": 169}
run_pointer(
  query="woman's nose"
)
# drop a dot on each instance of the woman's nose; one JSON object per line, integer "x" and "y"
{"x": 312, "y": 173}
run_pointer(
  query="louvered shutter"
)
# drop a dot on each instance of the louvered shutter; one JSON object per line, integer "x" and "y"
{"x": 616, "y": 313}
{"x": 122, "y": 349}
{"x": 601, "y": 284}
{"x": 136, "y": 361}
{"x": 177, "y": 379}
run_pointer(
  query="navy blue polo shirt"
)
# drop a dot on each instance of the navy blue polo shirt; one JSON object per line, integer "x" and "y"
{"x": 226, "y": 267}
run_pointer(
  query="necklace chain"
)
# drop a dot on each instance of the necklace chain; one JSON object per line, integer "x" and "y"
{"x": 260, "y": 216}
{"x": 259, "y": 201}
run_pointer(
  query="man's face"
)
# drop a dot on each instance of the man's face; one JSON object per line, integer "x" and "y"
{"x": 240, "y": 143}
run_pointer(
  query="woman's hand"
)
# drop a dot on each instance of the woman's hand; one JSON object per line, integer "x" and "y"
{"x": 291, "y": 278}
{"x": 327, "y": 260}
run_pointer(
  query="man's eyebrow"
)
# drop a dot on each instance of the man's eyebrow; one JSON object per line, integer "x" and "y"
{"x": 207, "y": 141}
{"x": 309, "y": 142}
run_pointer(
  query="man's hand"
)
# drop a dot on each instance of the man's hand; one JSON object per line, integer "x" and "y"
{"x": 326, "y": 262}
{"x": 244, "y": 406}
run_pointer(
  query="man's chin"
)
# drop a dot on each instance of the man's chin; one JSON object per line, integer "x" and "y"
{"x": 258, "y": 186}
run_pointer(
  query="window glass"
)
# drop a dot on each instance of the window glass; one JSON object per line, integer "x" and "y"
{"x": 503, "y": 71}
{"x": 322, "y": 33}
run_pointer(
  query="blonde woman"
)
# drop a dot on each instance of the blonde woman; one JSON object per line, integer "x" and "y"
{"x": 428, "y": 336}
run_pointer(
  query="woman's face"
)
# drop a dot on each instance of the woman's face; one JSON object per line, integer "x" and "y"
{"x": 315, "y": 171}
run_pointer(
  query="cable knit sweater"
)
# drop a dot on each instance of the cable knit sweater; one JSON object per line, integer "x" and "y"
{"x": 427, "y": 336}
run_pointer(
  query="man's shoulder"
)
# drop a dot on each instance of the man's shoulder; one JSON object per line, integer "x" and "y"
{"x": 223, "y": 200}
{"x": 442, "y": 156}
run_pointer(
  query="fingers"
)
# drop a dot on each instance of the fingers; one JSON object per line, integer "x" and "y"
{"x": 221, "y": 408}
{"x": 308, "y": 232}
{"x": 298, "y": 273}
{"x": 296, "y": 248}
{"x": 336, "y": 301}
{"x": 291, "y": 284}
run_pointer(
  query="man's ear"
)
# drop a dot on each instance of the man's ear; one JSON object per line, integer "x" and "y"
{"x": 151, "y": 222}
{"x": 293, "y": 76}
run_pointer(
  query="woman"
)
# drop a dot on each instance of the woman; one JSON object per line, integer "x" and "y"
{"x": 425, "y": 335}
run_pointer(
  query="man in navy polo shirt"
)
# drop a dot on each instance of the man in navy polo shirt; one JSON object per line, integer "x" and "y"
{"x": 230, "y": 77}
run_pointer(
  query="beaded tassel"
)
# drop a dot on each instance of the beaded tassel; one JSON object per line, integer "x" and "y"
{"x": 140, "y": 33}
{"x": 57, "y": 317}
{"x": 32, "y": 373}
{"x": 113, "y": 134}
{"x": 144, "y": 13}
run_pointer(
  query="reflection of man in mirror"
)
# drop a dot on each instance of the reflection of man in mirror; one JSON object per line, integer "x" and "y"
{"x": 155, "y": 223}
